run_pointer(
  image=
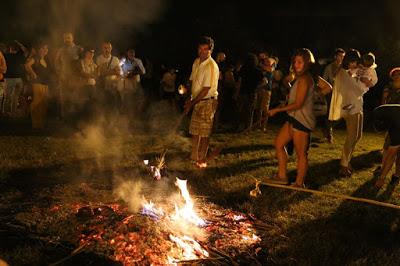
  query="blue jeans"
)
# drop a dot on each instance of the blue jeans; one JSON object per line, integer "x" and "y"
{"x": 14, "y": 88}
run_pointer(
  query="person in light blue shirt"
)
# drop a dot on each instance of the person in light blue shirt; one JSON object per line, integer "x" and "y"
{"x": 131, "y": 90}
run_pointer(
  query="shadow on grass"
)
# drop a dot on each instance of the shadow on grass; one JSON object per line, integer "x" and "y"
{"x": 279, "y": 199}
{"x": 247, "y": 148}
{"x": 356, "y": 233}
{"x": 353, "y": 235}
{"x": 324, "y": 173}
{"x": 237, "y": 168}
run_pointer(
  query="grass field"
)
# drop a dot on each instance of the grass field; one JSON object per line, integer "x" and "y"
{"x": 305, "y": 229}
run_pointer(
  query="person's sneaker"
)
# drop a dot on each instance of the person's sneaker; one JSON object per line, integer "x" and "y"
{"x": 395, "y": 180}
{"x": 345, "y": 171}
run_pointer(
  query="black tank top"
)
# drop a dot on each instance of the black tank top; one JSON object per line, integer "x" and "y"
{"x": 43, "y": 73}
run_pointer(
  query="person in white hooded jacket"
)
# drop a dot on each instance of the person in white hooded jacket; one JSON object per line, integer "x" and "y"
{"x": 347, "y": 103}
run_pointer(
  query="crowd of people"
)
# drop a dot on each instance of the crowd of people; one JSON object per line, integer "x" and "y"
{"x": 80, "y": 84}
{"x": 222, "y": 95}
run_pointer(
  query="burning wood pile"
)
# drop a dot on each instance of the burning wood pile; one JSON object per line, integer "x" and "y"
{"x": 178, "y": 231}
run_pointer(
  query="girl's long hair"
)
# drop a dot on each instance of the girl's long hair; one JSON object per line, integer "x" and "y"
{"x": 310, "y": 66}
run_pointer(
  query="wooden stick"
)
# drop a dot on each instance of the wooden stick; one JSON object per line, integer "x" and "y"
{"x": 334, "y": 195}
{"x": 224, "y": 255}
{"x": 190, "y": 262}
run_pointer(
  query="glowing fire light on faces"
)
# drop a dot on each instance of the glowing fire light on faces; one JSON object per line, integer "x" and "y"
{"x": 186, "y": 213}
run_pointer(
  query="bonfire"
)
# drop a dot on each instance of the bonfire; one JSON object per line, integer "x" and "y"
{"x": 170, "y": 234}
{"x": 174, "y": 230}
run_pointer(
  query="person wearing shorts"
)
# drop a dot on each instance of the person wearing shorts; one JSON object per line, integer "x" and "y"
{"x": 387, "y": 116}
{"x": 203, "y": 101}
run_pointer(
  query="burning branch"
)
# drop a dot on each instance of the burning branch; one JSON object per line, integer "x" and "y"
{"x": 155, "y": 170}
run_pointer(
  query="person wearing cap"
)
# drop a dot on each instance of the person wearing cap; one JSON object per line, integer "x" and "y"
{"x": 204, "y": 93}
{"x": 391, "y": 95}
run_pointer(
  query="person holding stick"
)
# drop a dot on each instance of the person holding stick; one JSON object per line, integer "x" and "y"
{"x": 204, "y": 93}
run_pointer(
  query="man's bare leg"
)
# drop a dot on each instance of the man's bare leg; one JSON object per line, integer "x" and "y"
{"x": 387, "y": 165}
{"x": 195, "y": 148}
{"x": 203, "y": 149}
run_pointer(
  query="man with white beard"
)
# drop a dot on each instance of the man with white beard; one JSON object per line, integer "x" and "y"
{"x": 109, "y": 71}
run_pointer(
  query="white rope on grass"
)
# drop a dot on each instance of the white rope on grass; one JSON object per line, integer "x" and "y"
{"x": 329, "y": 194}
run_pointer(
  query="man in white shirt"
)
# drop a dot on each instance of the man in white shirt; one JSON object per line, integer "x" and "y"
{"x": 131, "y": 89}
{"x": 204, "y": 93}
{"x": 109, "y": 70}
{"x": 133, "y": 67}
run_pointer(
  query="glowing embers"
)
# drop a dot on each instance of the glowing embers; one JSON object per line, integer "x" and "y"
{"x": 180, "y": 229}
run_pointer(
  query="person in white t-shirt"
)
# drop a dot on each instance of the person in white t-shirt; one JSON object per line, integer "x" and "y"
{"x": 367, "y": 70}
{"x": 109, "y": 73}
{"x": 204, "y": 93}
{"x": 131, "y": 90}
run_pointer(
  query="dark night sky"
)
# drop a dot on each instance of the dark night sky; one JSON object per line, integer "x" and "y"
{"x": 281, "y": 26}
